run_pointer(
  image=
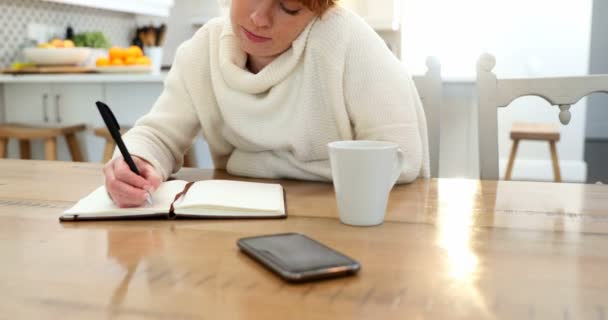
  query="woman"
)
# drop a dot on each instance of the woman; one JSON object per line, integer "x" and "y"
{"x": 269, "y": 88}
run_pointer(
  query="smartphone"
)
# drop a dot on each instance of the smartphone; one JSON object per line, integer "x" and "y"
{"x": 298, "y": 258}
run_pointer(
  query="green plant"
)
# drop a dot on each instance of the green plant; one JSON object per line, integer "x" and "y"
{"x": 94, "y": 39}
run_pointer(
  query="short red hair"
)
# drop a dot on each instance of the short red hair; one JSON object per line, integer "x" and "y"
{"x": 318, "y": 6}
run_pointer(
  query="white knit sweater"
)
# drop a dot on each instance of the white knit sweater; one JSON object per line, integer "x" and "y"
{"x": 338, "y": 81}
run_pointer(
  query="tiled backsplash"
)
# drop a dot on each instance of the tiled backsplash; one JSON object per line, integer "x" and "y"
{"x": 15, "y": 15}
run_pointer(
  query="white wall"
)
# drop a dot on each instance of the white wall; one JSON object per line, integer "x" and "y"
{"x": 597, "y": 112}
{"x": 529, "y": 39}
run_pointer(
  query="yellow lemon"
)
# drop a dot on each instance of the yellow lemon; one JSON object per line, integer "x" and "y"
{"x": 144, "y": 61}
{"x": 102, "y": 62}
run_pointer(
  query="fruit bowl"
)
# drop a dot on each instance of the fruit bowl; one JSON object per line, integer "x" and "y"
{"x": 57, "y": 56}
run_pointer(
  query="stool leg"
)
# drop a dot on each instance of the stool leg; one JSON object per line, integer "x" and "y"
{"x": 3, "y": 147}
{"x": 25, "y": 149}
{"x": 50, "y": 149}
{"x": 74, "y": 147}
{"x": 556, "y": 172}
{"x": 190, "y": 159}
{"x": 108, "y": 151}
{"x": 512, "y": 159}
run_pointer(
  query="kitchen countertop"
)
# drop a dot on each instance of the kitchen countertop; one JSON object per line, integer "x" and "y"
{"x": 83, "y": 78}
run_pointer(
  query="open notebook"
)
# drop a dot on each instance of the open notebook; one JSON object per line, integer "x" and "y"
{"x": 183, "y": 199}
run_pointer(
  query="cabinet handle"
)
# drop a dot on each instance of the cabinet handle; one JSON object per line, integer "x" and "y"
{"x": 57, "y": 106}
{"x": 45, "y": 107}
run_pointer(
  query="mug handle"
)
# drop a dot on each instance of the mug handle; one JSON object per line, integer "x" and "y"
{"x": 398, "y": 166}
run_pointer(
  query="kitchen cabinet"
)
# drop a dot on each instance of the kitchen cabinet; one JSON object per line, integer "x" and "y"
{"x": 46, "y": 104}
{"x": 64, "y": 100}
{"x": 52, "y": 105}
{"x": 132, "y": 101}
{"x": 143, "y": 7}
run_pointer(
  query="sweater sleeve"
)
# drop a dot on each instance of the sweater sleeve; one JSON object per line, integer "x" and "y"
{"x": 164, "y": 134}
{"x": 381, "y": 99}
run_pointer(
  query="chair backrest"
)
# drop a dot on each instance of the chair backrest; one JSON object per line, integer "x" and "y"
{"x": 430, "y": 90}
{"x": 495, "y": 93}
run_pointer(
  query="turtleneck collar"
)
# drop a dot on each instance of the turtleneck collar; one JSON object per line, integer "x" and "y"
{"x": 233, "y": 62}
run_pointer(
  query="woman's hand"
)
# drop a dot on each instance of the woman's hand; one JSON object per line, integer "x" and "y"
{"x": 126, "y": 188}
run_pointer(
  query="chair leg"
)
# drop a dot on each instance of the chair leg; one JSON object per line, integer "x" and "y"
{"x": 512, "y": 159}
{"x": 3, "y": 147}
{"x": 556, "y": 172}
{"x": 50, "y": 149}
{"x": 108, "y": 151}
{"x": 74, "y": 147}
{"x": 25, "y": 149}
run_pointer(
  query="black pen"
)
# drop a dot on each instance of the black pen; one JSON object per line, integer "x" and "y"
{"x": 114, "y": 128}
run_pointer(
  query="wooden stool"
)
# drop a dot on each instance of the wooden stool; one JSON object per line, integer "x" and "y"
{"x": 534, "y": 131}
{"x": 25, "y": 133}
{"x": 108, "y": 151}
{"x": 109, "y": 147}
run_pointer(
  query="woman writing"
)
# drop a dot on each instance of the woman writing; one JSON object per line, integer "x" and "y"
{"x": 269, "y": 87}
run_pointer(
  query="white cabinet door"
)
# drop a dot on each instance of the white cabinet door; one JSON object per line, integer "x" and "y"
{"x": 27, "y": 103}
{"x": 130, "y": 101}
{"x": 53, "y": 105}
{"x": 74, "y": 103}
{"x": 30, "y": 104}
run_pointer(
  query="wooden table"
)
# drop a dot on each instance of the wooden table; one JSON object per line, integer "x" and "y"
{"x": 450, "y": 249}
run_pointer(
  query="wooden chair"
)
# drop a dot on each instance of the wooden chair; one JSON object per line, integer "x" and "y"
{"x": 495, "y": 93}
{"x": 108, "y": 151}
{"x": 430, "y": 90}
{"x": 26, "y": 133}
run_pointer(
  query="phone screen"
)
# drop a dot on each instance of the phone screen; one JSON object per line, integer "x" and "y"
{"x": 296, "y": 257}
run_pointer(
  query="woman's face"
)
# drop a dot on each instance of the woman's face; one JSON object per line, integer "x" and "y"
{"x": 266, "y": 28}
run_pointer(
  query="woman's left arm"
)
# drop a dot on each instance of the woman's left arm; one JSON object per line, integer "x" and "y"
{"x": 382, "y": 101}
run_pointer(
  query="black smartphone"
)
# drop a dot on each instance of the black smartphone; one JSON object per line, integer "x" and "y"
{"x": 298, "y": 258}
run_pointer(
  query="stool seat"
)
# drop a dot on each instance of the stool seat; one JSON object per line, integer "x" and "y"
{"x": 539, "y": 132}
{"x": 105, "y": 133}
{"x": 25, "y": 133}
{"x": 535, "y": 131}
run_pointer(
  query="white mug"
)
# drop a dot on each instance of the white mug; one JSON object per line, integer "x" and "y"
{"x": 364, "y": 172}
{"x": 156, "y": 56}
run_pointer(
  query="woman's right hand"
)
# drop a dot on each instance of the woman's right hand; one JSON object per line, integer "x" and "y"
{"x": 127, "y": 189}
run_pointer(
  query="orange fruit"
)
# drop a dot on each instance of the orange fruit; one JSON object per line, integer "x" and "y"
{"x": 57, "y": 43}
{"x": 116, "y": 53}
{"x": 134, "y": 51}
{"x": 130, "y": 60}
{"x": 144, "y": 61}
{"x": 102, "y": 62}
{"x": 117, "y": 62}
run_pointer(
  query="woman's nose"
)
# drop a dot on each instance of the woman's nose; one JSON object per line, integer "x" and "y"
{"x": 262, "y": 14}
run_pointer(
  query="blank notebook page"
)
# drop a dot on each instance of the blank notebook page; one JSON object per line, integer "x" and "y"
{"x": 234, "y": 195}
{"x": 98, "y": 202}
